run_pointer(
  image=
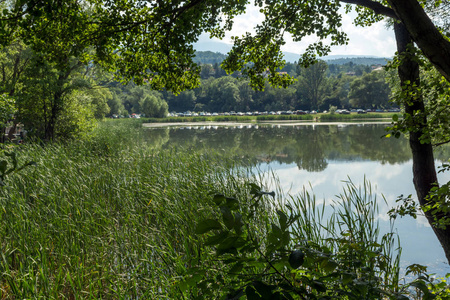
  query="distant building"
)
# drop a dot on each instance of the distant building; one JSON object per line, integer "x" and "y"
{"x": 377, "y": 67}
{"x": 380, "y": 68}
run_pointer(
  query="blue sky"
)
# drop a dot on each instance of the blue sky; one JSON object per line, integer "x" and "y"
{"x": 376, "y": 40}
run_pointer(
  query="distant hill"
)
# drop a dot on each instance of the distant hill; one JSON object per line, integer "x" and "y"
{"x": 209, "y": 57}
{"x": 211, "y": 52}
{"x": 357, "y": 60}
{"x": 213, "y": 46}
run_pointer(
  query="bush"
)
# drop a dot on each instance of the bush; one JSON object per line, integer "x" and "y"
{"x": 295, "y": 254}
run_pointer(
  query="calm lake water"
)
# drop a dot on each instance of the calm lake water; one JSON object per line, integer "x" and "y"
{"x": 322, "y": 157}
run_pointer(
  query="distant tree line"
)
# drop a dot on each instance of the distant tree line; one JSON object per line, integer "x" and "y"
{"x": 316, "y": 88}
{"x": 54, "y": 103}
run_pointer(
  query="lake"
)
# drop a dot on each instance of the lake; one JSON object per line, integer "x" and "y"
{"x": 321, "y": 157}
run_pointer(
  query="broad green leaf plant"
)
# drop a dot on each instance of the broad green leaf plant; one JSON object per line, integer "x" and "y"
{"x": 298, "y": 254}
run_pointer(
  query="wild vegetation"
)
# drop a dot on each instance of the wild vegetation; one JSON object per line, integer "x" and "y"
{"x": 110, "y": 218}
{"x": 61, "y": 65}
{"x": 105, "y": 218}
{"x": 88, "y": 93}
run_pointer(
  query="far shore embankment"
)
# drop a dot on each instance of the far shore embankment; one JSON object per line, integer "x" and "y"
{"x": 277, "y": 122}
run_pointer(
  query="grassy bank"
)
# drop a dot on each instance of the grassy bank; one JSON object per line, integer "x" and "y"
{"x": 316, "y": 117}
{"x": 354, "y": 116}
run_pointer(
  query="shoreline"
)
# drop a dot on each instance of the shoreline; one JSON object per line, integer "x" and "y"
{"x": 278, "y": 122}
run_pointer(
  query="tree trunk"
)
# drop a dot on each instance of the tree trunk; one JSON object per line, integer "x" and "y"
{"x": 422, "y": 30}
{"x": 55, "y": 112}
{"x": 424, "y": 171}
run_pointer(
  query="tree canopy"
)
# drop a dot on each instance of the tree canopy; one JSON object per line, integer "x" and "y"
{"x": 152, "y": 42}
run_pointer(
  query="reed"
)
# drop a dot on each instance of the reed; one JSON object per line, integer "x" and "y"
{"x": 353, "y": 116}
{"x": 105, "y": 218}
{"x": 112, "y": 218}
{"x": 298, "y": 248}
{"x": 284, "y": 117}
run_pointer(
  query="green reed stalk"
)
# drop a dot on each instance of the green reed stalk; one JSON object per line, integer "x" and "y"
{"x": 105, "y": 218}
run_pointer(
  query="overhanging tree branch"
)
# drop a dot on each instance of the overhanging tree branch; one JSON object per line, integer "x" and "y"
{"x": 377, "y": 7}
{"x": 422, "y": 30}
{"x": 441, "y": 143}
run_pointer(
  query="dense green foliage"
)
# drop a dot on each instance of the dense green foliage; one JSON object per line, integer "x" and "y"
{"x": 371, "y": 90}
{"x": 105, "y": 218}
{"x": 297, "y": 256}
{"x": 52, "y": 104}
{"x": 54, "y": 54}
{"x": 208, "y": 57}
{"x": 314, "y": 88}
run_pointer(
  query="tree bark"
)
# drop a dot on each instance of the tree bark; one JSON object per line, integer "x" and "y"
{"x": 424, "y": 171}
{"x": 422, "y": 30}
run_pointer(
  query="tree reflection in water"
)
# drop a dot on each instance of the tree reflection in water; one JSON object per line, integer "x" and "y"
{"x": 310, "y": 147}
{"x": 322, "y": 157}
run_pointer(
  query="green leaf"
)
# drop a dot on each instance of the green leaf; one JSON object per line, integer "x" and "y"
{"x": 254, "y": 189}
{"x": 237, "y": 268}
{"x": 277, "y": 231}
{"x": 3, "y": 166}
{"x": 228, "y": 243}
{"x": 235, "y": 295}
{"x": 347, "y": 278}
{"x": 190, "y": 281}
{"x": 395, "y": 118}
{"x": 421, "y": 285}
{"x": 296, "y": 259}
{"x": 216, "y": 239}
{"x": 282, "y": 218}
{"x": 329, "y": 265}
{"x": 238, "y": 223}
{"x": 207, "y": 225}
{"x": 251, "y": 294}
{"x": 219, "y": 199}
{"x": 264, "y": 290}
{"x": 319, "y": 286}
{"x": 232, "y": 203}
{"x": 227, "y": 216}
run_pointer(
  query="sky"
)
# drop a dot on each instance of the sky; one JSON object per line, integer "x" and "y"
{"x": 376, "y": 40}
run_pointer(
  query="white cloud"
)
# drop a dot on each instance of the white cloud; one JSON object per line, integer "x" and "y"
{"x": 375, "y": 40}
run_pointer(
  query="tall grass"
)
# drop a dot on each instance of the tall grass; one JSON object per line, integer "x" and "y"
{"x": 284, "y": 117}
{"x": 110, "y": 218}
{"x": 298, "y": 248}
{"x": 339, "y": 117}
{"x": 349, "y": 229}
{"x": 105, "y": 218}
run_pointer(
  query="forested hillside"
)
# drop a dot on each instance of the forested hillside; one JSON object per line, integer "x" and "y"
{"x": 51, "y": 105}
{"x": 316, "y": 88}
{"x": 210, "y": 57}
{"x": 367, "y": 61}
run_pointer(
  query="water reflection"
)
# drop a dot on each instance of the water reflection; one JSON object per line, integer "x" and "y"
{"x": 310, "y": 147}
{"x": 322, "y": 157}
